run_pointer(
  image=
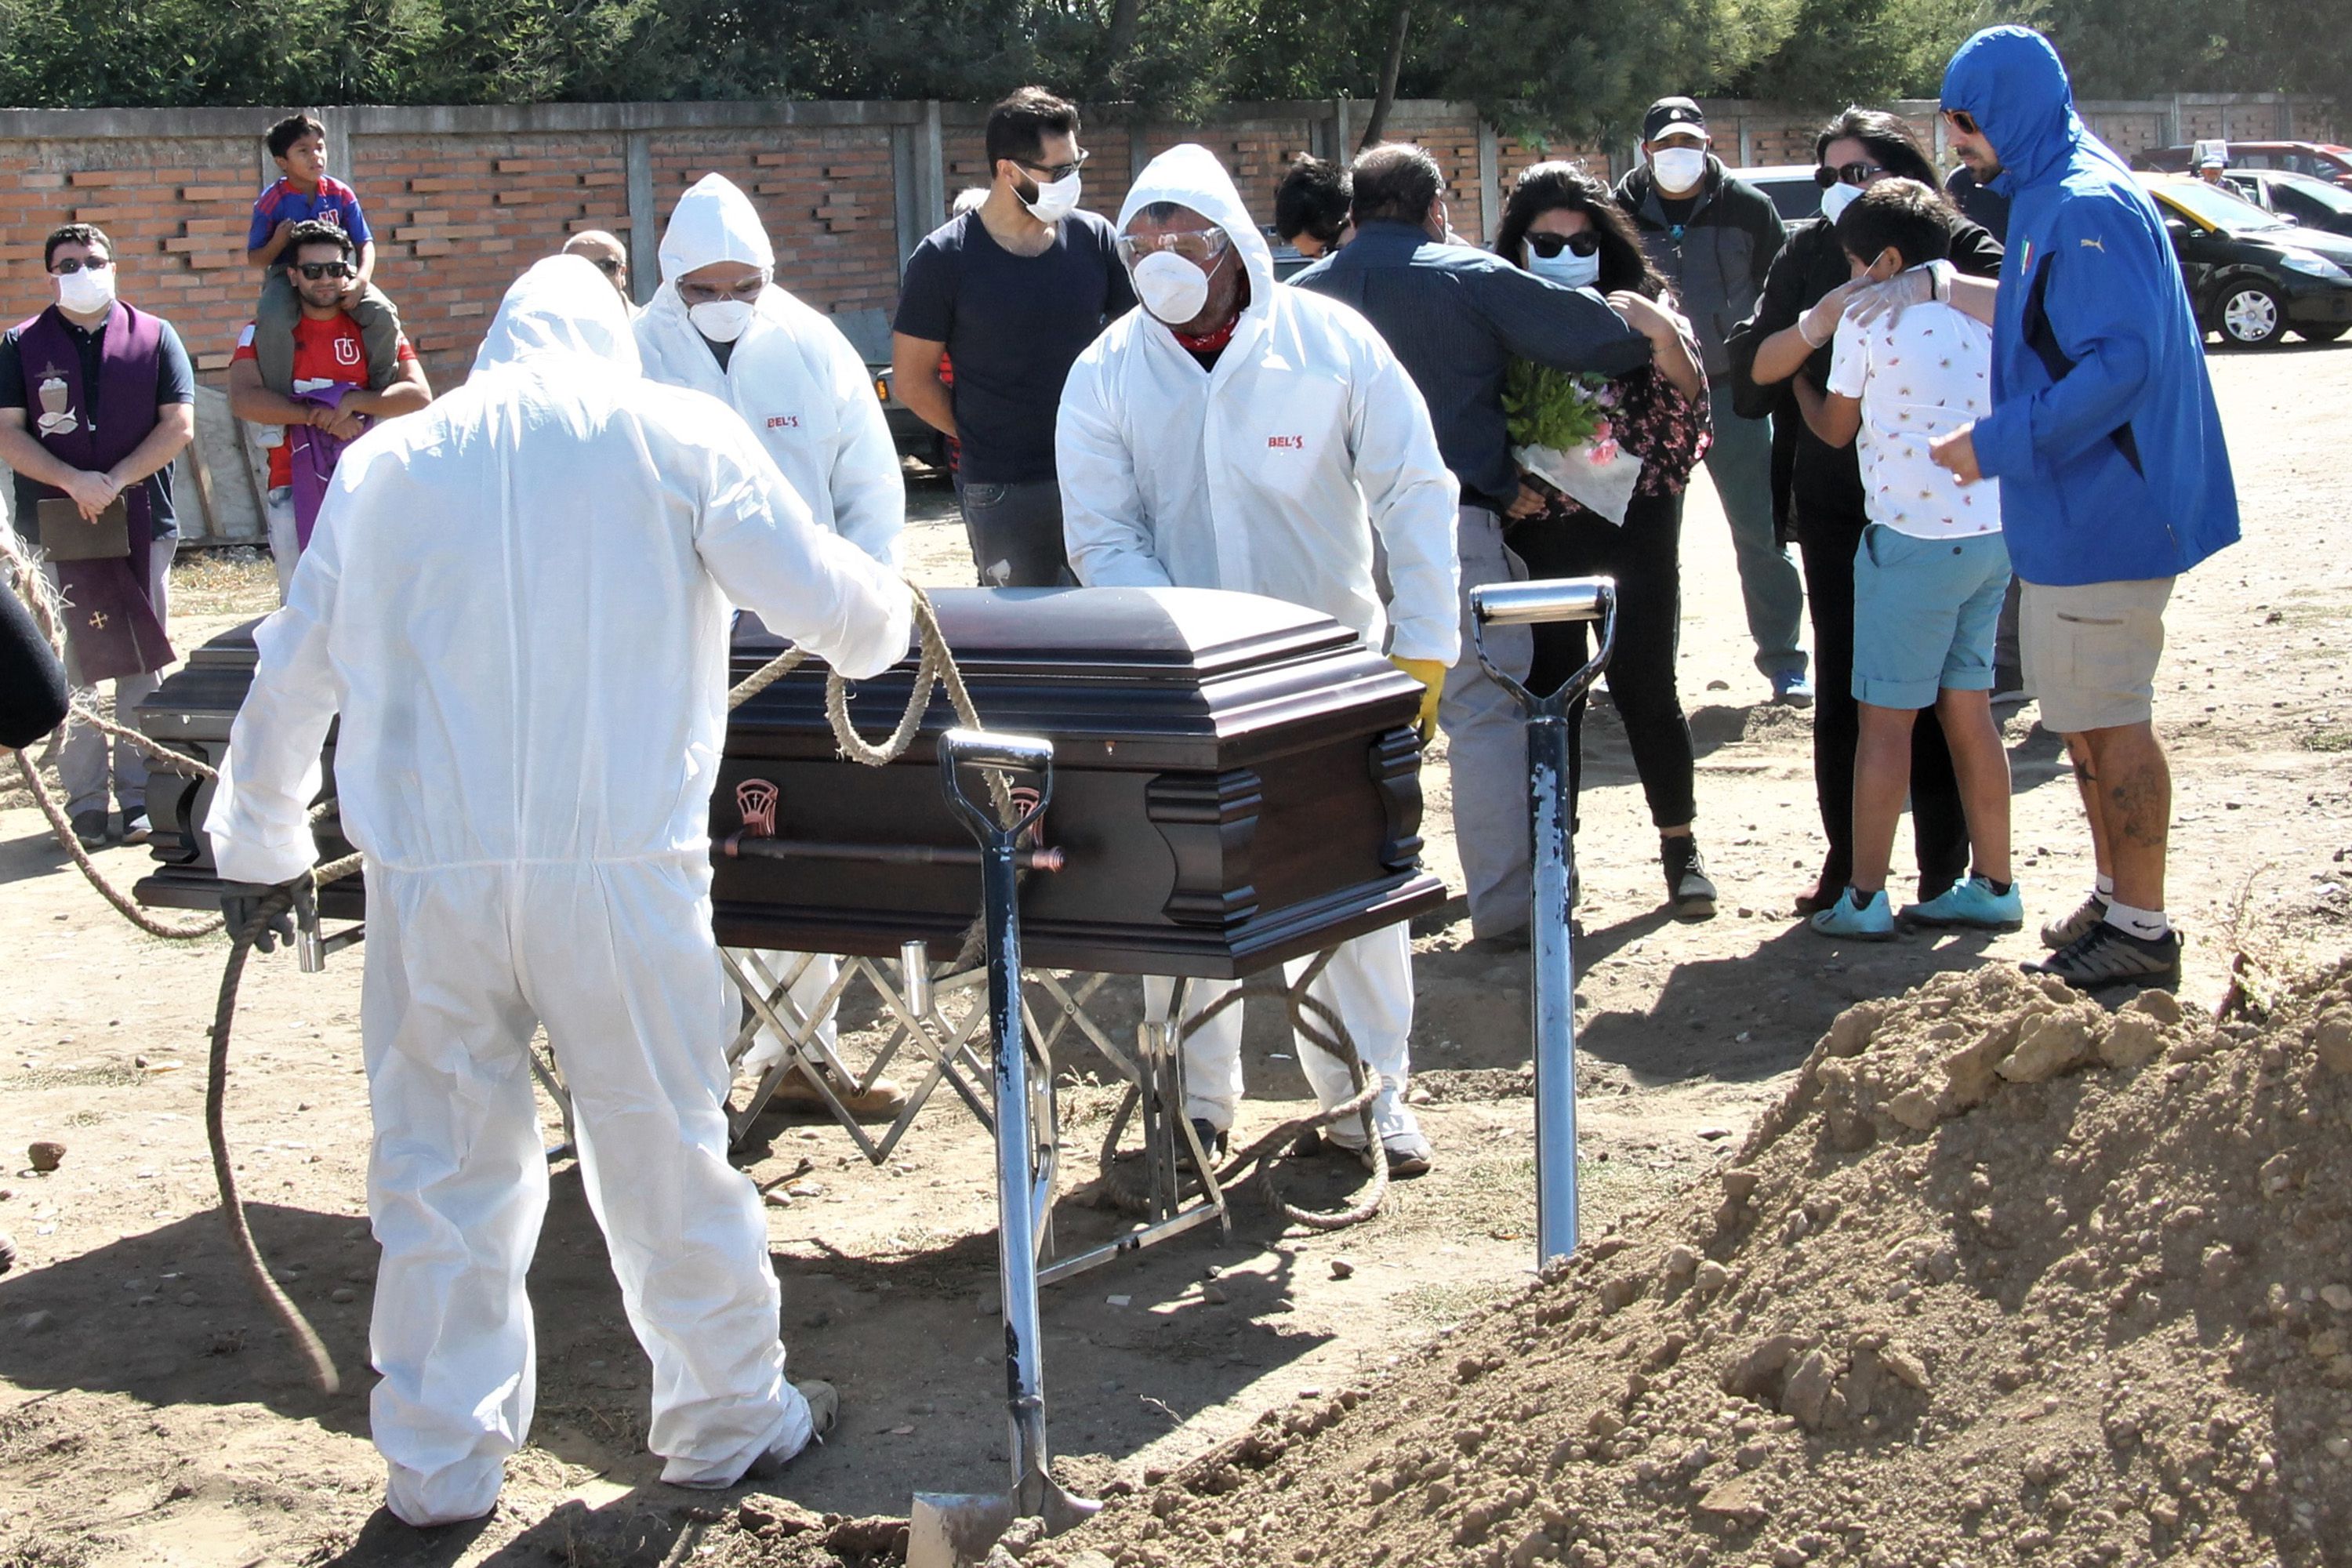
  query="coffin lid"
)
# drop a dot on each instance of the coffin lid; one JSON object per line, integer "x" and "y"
{"x": 1142, "y": 669}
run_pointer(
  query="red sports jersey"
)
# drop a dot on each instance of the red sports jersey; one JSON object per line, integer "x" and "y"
{"x": 331, "y": 350}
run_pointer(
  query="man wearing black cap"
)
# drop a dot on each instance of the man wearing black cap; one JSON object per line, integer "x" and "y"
{"x": 1714, "y": 238}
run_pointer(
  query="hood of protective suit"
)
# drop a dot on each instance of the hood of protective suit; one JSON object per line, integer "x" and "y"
{"x": 714, "y": 222}
{"x": 562, "y": 306}
{"x": 2012, "y": 81}
{"x": 1190, "y": 175}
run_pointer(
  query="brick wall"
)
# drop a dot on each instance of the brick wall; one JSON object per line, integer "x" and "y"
{"x": 176, "y": 208}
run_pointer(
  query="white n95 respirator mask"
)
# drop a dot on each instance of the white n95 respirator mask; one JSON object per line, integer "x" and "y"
{"x": 1171, "y": 288}
{"x": 720, "y": 321}
{"x": 88, "y": 291}
{"x": 1054, "y": 200}
{"x": 1837, "y": 198}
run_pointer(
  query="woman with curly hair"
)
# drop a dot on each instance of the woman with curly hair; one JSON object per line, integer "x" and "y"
{"x": 1564, "y": 225}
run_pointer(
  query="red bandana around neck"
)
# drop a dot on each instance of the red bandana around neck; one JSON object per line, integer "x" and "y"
{"x": 1215, "y": 342}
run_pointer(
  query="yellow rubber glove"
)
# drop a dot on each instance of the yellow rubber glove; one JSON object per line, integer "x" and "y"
{"x": 1432, "y": 676}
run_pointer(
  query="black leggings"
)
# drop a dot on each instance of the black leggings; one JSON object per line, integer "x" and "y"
{"x": 1645, "y": 557}
{"x": 1828, "y": 538}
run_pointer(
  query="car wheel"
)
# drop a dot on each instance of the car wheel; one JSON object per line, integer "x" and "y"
{"x": 2252, "y": 315}
{"x": 2323, "y": 334}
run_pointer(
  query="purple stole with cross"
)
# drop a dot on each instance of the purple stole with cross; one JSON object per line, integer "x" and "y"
{"x": 111, "y": 626}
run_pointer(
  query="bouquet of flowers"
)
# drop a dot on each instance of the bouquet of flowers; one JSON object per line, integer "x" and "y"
{"x": 1561, "y": 432}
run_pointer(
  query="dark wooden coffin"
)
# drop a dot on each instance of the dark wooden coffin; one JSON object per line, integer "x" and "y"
{"x": 1235, "y": 782}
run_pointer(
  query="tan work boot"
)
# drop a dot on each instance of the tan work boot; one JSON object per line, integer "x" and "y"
{"x": 799, "y": 1092}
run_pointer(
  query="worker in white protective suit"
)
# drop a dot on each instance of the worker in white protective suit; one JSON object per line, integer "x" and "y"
{"x": 517, "y": 602}
{"x": 1234, "y": 433}
{"x": 720, "y": 323}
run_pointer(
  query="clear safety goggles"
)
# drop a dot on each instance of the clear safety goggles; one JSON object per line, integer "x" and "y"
{"x": 747, "y": 291}
{"x": 1200, "y": 246}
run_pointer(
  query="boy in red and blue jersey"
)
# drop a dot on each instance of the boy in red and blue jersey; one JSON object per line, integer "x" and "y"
{"x": 306, "y": 193}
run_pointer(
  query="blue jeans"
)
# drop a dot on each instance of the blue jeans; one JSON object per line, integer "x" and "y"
{"x": 1741, "y": 463}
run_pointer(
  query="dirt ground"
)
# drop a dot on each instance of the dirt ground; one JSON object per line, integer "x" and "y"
{"x": 148, "y": 1415}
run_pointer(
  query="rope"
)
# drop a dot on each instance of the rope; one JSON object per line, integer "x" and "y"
{"x": 279, "y": 901}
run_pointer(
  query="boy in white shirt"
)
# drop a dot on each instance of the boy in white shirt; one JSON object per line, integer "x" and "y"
{"x": 1933, "y": 566}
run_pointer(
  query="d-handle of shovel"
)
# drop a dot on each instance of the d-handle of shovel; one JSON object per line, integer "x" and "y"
{"x": 1545, "y": 599}
{"x": 1552, "y": 1002}
{"x": 987, "y": 749}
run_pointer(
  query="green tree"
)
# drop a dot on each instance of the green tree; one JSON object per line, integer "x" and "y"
{"x": 2129, "y": 49}
{"x": 1864, "y": 51}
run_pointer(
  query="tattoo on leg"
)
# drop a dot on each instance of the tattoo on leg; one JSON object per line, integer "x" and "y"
{"x": 2140, "y": 810}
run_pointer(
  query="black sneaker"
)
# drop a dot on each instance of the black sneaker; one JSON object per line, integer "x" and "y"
{"x": 2066, "y": 932}
{"x": 91, "y": 827}
{"x": 1687, "y": 887}
{"x": 2109, "y": 956}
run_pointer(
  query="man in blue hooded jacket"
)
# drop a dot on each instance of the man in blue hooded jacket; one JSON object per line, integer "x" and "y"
{"x": 2113, "y": 478}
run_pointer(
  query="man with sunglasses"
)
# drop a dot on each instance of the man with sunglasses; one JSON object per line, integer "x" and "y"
{"x": 331, "y": 403}
{"x": 607, "y": 255}
{"x": 2114, "y": 475}
{"x": 96, "y": 399}
{"x": 1011, "y": 292}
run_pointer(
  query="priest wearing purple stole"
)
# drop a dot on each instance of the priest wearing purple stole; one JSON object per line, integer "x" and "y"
{"x": 96, "y": 399}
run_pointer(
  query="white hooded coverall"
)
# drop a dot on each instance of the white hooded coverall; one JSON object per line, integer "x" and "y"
{"x": 517, "y": 602}
{"x": 1267, "y": 474}
{"x": 807, "y": 396}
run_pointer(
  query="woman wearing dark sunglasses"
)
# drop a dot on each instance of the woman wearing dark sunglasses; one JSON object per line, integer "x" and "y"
{"x": 1564, "y": 225}
{"x": 1780, "y": 355}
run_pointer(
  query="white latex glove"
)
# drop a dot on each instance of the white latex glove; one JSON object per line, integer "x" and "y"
{"x": 1888, "y": 301}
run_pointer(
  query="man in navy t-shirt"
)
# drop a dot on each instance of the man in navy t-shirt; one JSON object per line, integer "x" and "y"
{"x": 1013, "y": 292}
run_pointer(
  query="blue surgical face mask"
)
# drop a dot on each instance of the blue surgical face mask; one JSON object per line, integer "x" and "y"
{"x": 1568, "y": 268}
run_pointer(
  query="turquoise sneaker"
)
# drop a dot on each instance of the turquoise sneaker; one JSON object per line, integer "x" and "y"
{"x": 1866, "y": 921}
{"x": 1971, "y": 903}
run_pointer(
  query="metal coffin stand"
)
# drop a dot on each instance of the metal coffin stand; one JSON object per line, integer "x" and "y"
{"x": 1235, "y": 784}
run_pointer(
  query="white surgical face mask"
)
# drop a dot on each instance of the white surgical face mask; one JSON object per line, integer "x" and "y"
{"x": 1679, "y": 168}
{"x": 720, "y": 321}
{"x": 1056, "y": 199}
{"x": 1837, "y": 198}
{"x": 1170, "y": 288}
{"x": 1568, "y": 267}
{"x": 88, "y": 291}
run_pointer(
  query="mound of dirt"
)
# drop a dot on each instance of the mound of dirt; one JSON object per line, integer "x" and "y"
{"x": 2007, "y": 1277}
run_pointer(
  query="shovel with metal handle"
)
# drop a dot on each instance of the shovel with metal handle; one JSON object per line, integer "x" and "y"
{"x": 1554, "y": 1005}
{"x": 953, "y": 1528}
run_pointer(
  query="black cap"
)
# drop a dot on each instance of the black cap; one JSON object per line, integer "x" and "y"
{"x": 1669, "y": 112}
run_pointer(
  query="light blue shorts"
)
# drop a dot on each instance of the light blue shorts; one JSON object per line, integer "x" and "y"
{"x": 1925, "y": 611}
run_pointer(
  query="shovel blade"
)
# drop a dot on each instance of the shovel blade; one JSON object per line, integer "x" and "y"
{"x": 955, "y": 1530}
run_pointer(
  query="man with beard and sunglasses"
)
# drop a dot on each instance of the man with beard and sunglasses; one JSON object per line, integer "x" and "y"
{"x": 1011, "y": 292}
{"x": 2115, "y": 477}
{"x": 331, "y": 405}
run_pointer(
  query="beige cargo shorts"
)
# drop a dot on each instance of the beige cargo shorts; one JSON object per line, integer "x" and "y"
{"x": 2090, "y": 651}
